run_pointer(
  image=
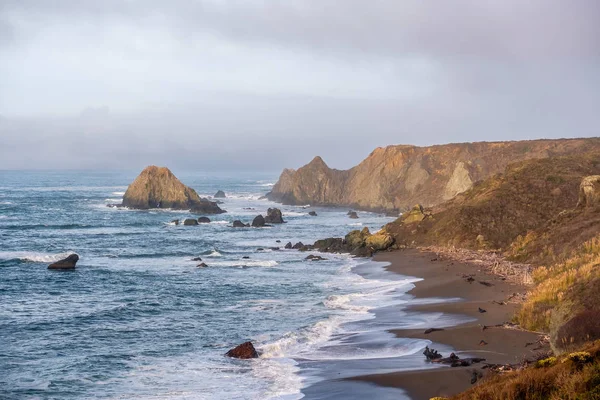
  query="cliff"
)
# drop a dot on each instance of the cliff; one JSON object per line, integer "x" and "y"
{"x": 396, "y": 177}
{"x": 157, "y": 187}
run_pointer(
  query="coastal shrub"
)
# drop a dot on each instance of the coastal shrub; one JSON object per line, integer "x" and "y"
{"x": 575, "y": 376}
{"x": 546, "y": 362}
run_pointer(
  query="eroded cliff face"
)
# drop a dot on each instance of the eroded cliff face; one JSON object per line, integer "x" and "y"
{"x": 397, "y": 177}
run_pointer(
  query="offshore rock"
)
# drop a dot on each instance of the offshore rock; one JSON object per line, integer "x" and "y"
{"x": 239, "y": 224}
{"x": 258, "y": 221}
{"x": 274, "y": 216}
{"x": 312, "y": 213}
{"x": 204, "y": 220}
{"x": 157, "y": 187}
{"x": 220, "y": 195}
{"x": 190, "y": 222}
{"x": 65, "y": 263}
{"x": 353, "y": 215}
{"x": 244, "y": 351}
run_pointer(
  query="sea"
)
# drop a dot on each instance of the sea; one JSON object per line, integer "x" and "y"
{"x": 138, "y": 319}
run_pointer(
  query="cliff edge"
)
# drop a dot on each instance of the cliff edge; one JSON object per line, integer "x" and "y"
{"x": 394, "y": 178}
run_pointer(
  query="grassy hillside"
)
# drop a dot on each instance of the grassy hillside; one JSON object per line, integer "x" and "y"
{"x": 518, "y": 212}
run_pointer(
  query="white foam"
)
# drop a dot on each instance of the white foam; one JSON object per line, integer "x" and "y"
{"x": 267, "y": 184}
{"x": 214, "y": 254}
{"x": 118, "y": 193}
{"x": 343, "y": 302}
{"x": 5, "y": 203}
{"x": 355, "y": 224}
{"x": 293, "y": 214}
{"x": 113, "y": 200}
{"x": 245, "y": 263}
{"x": 33, "y": 256}
{"x": 220, "y": 222}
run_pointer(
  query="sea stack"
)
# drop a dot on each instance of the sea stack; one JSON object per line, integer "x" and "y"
{"x": 157, "y": 187}
{"x": 66, "y": 263}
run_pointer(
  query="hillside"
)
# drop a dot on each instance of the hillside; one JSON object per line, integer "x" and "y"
{"x": 394, "y": 178}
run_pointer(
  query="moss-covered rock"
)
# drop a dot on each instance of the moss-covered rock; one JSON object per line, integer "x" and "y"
{"x": 379, "y": 241}
{"x": 415, "y": 215}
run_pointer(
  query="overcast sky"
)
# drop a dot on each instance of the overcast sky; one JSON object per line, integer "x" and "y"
{"x": 270, "y": 84}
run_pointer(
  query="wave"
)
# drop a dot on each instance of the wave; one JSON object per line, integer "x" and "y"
{"x": 267, "y": 184}
{"x": 113, "y": 200}
{"x": 220, "y": 222}
{"x": 212, "y": 253}
{"x": 293, "y": 214}
{"x": 245, "y": 263}
{"x": 355, "y": 224}
{"x": 343, "y": 302}
{"x": 118, "y": 193}
{"x": 33, "y": 256}
{"x": 6, "y": 203}
{"x": 297, "y": 344}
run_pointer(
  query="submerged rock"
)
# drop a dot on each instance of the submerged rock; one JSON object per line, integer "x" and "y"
{"x": 274, "y": 216}
{"x": 202, "y": 265}
{"x": 175, "y": 221}
{"x": 312, "y": 257}
{"x": 190, "y": 221}
{"x": 157, "y": 187}
{"x": 204, "y": 220}
{"x": 65, "y": 263}
{"x": 239, "y": 224}
{"x": 244, "y": 351}
{"x": 220, "y": 195}
{"x": 258, "y": 221}
{"x": 289, "y": 245}
{"x": 312, "y": 213}
{"x": 353, "y": 215}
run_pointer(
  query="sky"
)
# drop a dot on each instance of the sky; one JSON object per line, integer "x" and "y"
{"x": 263, "y": 85}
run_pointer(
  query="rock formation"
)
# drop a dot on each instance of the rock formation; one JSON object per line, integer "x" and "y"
{"x": 258, "y": 221}
{"x": 589, "y": 192}
{"x": 157, "y": 187}
{"x": 220, "y": 195}
{"x": 190, "y": 221}
{"x": 274, "y": 216}
{"x": 204, "y": 220}
{"x": 65, "y": 263}
{"x": 396, "y": 177}
{"x": 239, "y": 224}
{"x": 244, "y": 351}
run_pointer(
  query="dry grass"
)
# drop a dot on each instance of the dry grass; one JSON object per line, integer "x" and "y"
{"x": 557, "y": 285}
{"x": 575, "y": 376}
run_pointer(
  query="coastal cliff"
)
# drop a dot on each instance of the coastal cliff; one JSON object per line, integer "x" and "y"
{"x": 394, "y": 178}
{"x": 157, "y": 187}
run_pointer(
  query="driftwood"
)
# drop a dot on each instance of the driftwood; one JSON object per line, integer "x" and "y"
{"x": 428, "y": 331}
{"x": 453, "y": 360}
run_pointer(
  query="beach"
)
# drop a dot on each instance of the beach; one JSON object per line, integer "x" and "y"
{"x": 444, "y": 278}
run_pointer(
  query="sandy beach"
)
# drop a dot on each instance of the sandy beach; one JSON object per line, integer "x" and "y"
{"x": 444, "y": 278}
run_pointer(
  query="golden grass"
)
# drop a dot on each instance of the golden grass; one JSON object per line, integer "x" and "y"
{"x": 554, "y": 282}
{"x": 575, "y": 376}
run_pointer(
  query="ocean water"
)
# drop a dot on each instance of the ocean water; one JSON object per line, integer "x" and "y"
{"x": 139, "y": 320}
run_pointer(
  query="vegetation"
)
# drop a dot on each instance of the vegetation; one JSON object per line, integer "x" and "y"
{"x": 574, "y": 376}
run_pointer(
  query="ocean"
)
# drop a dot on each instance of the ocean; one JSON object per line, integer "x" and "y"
{"x": 138, "y": 319}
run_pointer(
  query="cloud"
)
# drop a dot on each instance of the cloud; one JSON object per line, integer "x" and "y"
{"x": 333, "y": 77}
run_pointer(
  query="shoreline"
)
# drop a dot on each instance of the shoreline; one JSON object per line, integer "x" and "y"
{"x": 444, "y": 278}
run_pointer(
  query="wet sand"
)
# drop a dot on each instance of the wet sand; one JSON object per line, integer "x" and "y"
{"x": 446, "y": 279}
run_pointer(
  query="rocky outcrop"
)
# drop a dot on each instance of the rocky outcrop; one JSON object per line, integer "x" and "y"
{"x": 258, "y": 221}
{"x": 417, "y": 214}
{"x": 65, "y": 263}
{"x": 274, "y": 216}
{"x": 312, "y": 213}
{"x": 360, "y": 243}
{"x": 239, "y": 224}
{"x": 204, "y": 220}
{"x": 589, "y": 192}
{"x": 220, "y": 195}
{"x": 353, "y": 215}
{"x": 157, "y": 187}
{"x": 244, "y": 351}
{"x": 396, "y": 177}
{"x": 190, "y": 222}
